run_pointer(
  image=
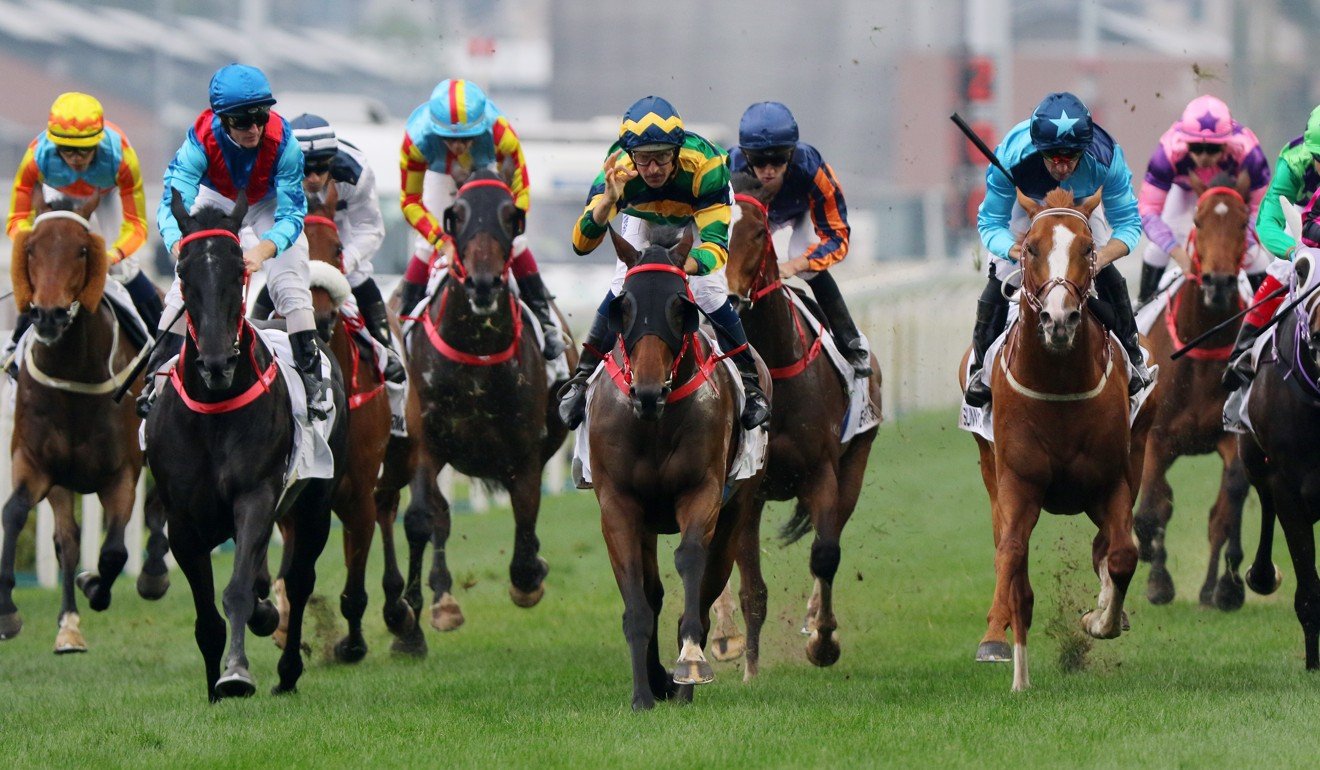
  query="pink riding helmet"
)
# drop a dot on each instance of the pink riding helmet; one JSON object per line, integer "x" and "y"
{"x": 1206, "y": 119}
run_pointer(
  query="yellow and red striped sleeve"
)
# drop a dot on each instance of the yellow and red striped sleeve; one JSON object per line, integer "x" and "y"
{"x": 508, "y": 148}
{"x": 412, "y": 170}
{"x": 133, "y": 230}
{"x": 26, "y": 179}
{"x": 829, "y": 215}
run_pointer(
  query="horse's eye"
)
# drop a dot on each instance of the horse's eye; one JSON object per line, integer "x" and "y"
{"x": 83, "y": 252}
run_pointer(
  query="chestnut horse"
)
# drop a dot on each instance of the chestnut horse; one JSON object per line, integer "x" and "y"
{"x": 663, "y": 428}
{"x": 69, "y": 435}
{"x": 806, "y": 459}
{"x": 1062, "y": 441}
{"x": 485, "y": 408}
{"x": 1189, "y": 417}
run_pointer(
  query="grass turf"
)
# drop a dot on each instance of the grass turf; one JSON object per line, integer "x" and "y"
{"x": 551, "y": 686}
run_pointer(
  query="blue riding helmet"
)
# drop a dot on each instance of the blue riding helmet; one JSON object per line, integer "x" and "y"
{"x": 315, "y": 136}
{"x": 767, "y": 125}
{"x": 1061, "y": 122}
{"x": 236, "y": 87}
{"x": 458, "y": 109}
{"x": 651, "y": 120}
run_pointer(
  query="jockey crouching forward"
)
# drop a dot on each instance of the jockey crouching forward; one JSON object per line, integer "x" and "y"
{"x": 658, "y": 172}
{"x": 81, "y": 155}
{"x": 803, "y": 186}
{"x": 452, "y": 135}
{"x": 1059, "y": 146}
{"x": 239, "y": 145}
{"x": 1204, "y": 143}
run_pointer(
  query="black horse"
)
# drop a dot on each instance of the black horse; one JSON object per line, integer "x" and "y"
{"x": 219, "y": 442}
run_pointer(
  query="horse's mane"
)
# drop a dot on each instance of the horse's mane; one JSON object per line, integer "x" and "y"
{"x": 1059, "y": 198}
{"x": 665, "y": 236}
{"x": 210, "y": 217}
{"x": 1223, "y": 179}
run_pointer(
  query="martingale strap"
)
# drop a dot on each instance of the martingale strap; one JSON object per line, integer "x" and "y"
{"x": 472, "y": 359}
{"x": 230, "y": 404}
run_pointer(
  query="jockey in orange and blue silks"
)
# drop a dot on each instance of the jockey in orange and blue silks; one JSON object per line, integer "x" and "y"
{"x": 808, "y": 201}
{"x": 1205, "y": 142}
{"x": 81, "y": 155}
{"x": 457, "y": 131}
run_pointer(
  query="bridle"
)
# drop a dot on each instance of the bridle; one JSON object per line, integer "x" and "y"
{"x": 74, "y": 216}
{"x": 765, "y": 280}
{"x": 1035, "y": 297}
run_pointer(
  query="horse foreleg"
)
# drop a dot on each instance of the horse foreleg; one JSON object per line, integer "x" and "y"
{"x": 726, "y": 641}
{"x": 1152, "y": 520}
{"x": 1298, "y": 531}
{"x": 527, "y": 570}
{"x": 154, "y": 580}
{"x": 252, "y": 517}
{"x": 753, "y": 593}
{"x": 117, "y": 502}
{"x": 446, "y": 615}
{"x": 67, "y": 548}
{"x": 621, "y": 524}
{"x": 194, "y": 560}
{"x": 1263, "y": 576}
{"x": 310, "y": 518}
{"x": 1115, "y": 560}
{"x": 356, "y": 511}
{"x": 822, "y": 499}
{"x": 29, "y": 487}
{"x": 698, "y": 514}
{"x": 399, "y": 616}
{"x": 1229, "y": 592}
{"x": 657, "y": 676}
{"x": 1013, "y": 599}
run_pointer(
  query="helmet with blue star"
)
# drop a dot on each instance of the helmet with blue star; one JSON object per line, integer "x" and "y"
{"x": 1061, "y": 122}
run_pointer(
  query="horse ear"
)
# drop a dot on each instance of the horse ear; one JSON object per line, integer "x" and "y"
{"x": 685, "y": 244}
{"x": 179, "y": 211}
{"x": 449, "y": 221}
{"x": 1090, "y": 204}
{"x": 1027, "y": 204}
{"x": 240, "y": 210}
{"x": 18, "y": 271}
{"x": 628, "y": 254}
{"x": 87, "y": 208}
{"x": 1244, "y": 184}
{"x": 621, "y": 313}
{"x": 519, "y": 222}
{"x": 98, "y": 268}
{"x": 331, "y": 198}
{"x": 682, "y": 314}
{"x": 39, "y": 206}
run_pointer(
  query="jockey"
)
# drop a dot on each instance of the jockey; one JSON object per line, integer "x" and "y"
{"x": 240, "y": 146}
{"x": 1205, "y": 142}
{"x": 327, "y": 159}
{"x": 1296, "y": 178}
{"x": 804, "y": 189}
{"x": 455, "y": 133}
{"x": 1058, "y": 146}
{"x": 80, "y": 155}
{"x": 657, "y": 172}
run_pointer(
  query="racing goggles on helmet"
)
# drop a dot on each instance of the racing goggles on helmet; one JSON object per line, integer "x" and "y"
{"x": 773, "y": 156}
{"x": 245, "y": 118}
{"x": 1204, "y": 148}
{"x": 1062, "y": 153}
{"x": 660, "y": 158}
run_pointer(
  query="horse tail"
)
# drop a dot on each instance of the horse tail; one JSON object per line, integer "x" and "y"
{"x": 797, "y": 525}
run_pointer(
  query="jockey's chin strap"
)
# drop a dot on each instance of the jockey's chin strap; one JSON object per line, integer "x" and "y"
{"x": 767, "y": 275}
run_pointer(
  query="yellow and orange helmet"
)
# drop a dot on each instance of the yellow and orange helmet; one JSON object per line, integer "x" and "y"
{"x": 76, "y": 120}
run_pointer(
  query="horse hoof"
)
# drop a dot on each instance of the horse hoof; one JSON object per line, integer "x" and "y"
{"x": 411, "y": 645}
{"x": 1230, "y": 592}
{"x": 1091, "y": 625}
{"x": 643, "y": 702}
{"x": 98, "y": 596}
{"x": 280, "y": 689}
{"x": 70, "y": 638}
{"x": 10, "y": 625}
{"x": 446, "y": 614}
{"x": 399, "y": 618}
{"x": 527, "y": 599}
{"x": 1259, "y": 583}
{"x": 823, "y": 649}
{"x": 693, "y": 672}
{"x": 1125, "y": 623}
{"x": 728, "y": 648}
{"x": 279, "y": 638}
{"x": 265, "y": 618}
{"x": 236, "y": 683}
{"x": 1159, "y": 587}
{"x": 152, "y": 587}
{"x": 994, "y": 652}
{"x": 350, "y": 650}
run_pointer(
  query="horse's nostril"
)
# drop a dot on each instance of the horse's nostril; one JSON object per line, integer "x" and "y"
{"x": 1045, "y": 316}
{"x": 1074, "y": 317}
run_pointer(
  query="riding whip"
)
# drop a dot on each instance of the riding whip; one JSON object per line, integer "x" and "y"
{"x": 137, "y": 370}
{"x": 981, "y": 145}
{"x": 1180, "y": 352}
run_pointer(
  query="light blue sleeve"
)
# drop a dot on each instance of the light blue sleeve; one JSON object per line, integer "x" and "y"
{"x": 995, "y": 212}
{"x": 1121, "y": 202}
{"x": 290, "y": 202}
{"x": 185, "y": 175}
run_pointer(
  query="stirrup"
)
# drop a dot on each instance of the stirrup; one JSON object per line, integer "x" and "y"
{"x": 858, "y": 357}
{"x": 756, "y": 407}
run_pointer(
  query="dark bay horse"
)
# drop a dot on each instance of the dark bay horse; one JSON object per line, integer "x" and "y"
{"x": 1282, "y": 456}
{"x": 69, "y": 435}
{"x": 219, "y": 443}
{"x": 806, "y": 459}
{"x": 1189, "y": 417}
{"x": 663, "y": 427}
{"x": 484, "y": 398}
{"x": 1062, "y": 441}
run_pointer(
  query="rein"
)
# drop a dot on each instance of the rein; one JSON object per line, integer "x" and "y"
{"x": 353, "y": 325}
{"x": 763, "y": 283}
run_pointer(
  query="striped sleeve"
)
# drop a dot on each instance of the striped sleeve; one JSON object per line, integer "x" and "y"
{"x": 509, "y": 154}
{"x": 412, "y": 170}
{"x": 133, "y": 231}
{"x": 26, "y": 179}
{"x": 712, "y": 213}
{"x": 829, "y": 214}
{"x": 587, "y": 235}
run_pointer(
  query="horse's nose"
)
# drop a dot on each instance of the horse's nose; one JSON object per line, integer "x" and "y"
{"x": 217, "y": 371}
{"x": 50, "y": 322}
{"x": 649, "y": 401}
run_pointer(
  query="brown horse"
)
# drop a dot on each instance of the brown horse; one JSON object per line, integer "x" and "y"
{"x": 1062, "y": 441}
{"x": 1189, "y": 419}
{"x": 69, "y": 435}
{"x": 663, "y": 429}
{"x": 806, "y": 459}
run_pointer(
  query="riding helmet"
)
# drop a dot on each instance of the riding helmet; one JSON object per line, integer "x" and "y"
{"x": 1061, "y": 122}
{"x": 458, "y": 109}
{"x": 651, "y": 121}
{"x": 1206, "y": 120}
{"x": 315, "y": 136}
{"x": 236, "y": 87}
{"x": 767, "y": 125}
{"x": 76, "y": 120}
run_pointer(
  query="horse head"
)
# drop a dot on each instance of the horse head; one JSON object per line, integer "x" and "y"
{"x": 1058, "y": 265}
{"x": 325, "y": 252}
{"x": 483, "y": 221}
{"x": 212, "y": 278}
{"x": 654, "y": 316}
{"x": 753, "y": 265}
{"x": 58, "y": 267}
{"x": 1220, "y": 242}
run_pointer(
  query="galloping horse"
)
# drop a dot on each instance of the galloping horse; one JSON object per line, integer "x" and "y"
{"x": 1062, "y": 440}
{"x": 663, "y": 430}
{"x": 1282, "y": 458}
{"x": 69, "y": 436}
{"x": 806, "y": 459}
{"x": 219, "y": 442}
{"x": 485, "y": 406}
{"x": 1189, "y": 418}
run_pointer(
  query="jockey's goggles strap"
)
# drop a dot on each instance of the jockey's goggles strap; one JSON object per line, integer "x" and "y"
{"x": 200, "y": 234}
{"x": 1221, "y": 191}
{"x": 61, "y": 214}
{"x": 1062, "y": 212}
{"x": 313, "y": 219}
{"x": 485, "y": 183}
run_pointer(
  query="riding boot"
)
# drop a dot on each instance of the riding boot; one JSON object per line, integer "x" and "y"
{"x": 1241, "y": 368}
{"x": 537, "y": 297}
{"x": 21, "y": 325}
{"x": 307, "y": 360}
{"x": 411, "y": 294}
{"x": 729, "y": 329}
{"x": 1113, "y": 289}
{"x": 263, "y": 307}
{"x": 828, "y": 296}
{"x": 377, "y": 320}
{"x": 1150, "y": 283}
{"x": 989, "y": 325}
{"x": 145, "y": 299}
{"x": 169, "y": 346}
{"x": 573, "y": 394}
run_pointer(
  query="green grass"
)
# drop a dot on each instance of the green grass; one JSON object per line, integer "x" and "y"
{"x": 551, "y": 686}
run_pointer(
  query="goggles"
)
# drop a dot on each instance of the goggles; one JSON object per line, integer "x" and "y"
{"x": 772, "y": 157}
{"x": 660, "y": 158}
{"x": 1204, "y": 148}
{"x": 245, "y": 120}
{"x": 76, "y": 152}
{"x": 316, "y": 167}
{"x": 1064, "y": 153}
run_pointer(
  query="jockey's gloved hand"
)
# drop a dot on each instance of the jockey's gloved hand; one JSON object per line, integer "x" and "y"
{"x": 1311, "y": 231}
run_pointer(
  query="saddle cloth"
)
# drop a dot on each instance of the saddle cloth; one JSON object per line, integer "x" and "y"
{"x": 752, "y": 444}
{"x": 862, "y": 413}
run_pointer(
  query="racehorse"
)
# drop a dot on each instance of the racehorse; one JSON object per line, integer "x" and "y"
{"x": 1282, "y": 458}
{"x": 806, "y": 459}
{"x": 1060, "y": 419}
{"x": 69, "y": 435}
{"x": 663, "y": 428}
{"x": 484, "y": 396}
{"x": 1189, "y": 418}
{"x": 219, "y": 443}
